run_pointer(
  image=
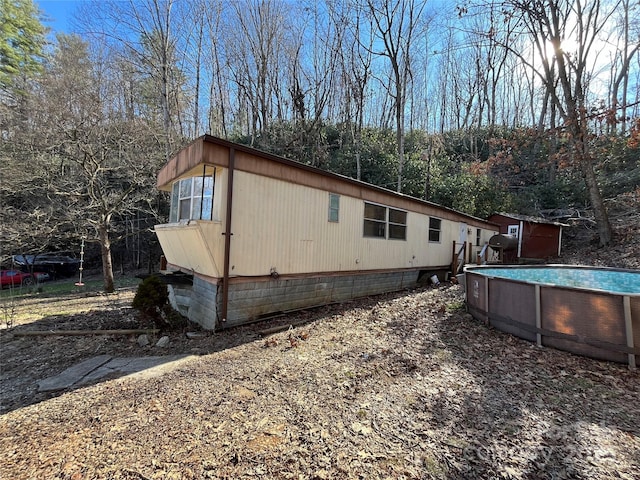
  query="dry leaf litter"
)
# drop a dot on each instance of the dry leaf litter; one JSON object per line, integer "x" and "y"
{"x": 403, "y": 385}
{"x": 399, "y": 386}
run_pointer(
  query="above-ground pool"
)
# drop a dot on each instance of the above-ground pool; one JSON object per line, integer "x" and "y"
{"x": 590, "y": 311}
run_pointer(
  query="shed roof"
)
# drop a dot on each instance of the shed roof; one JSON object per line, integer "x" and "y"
{"x": 529, "y": 218}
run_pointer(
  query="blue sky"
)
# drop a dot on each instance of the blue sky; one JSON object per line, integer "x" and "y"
{"x": 58, "y": 13}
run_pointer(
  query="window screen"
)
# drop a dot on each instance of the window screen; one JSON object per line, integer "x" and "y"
{"x": 375, "y": 220}
{"x": 384, "y": 222}
{"x": 397, "y": 224}
{"x": 435, "y": 225}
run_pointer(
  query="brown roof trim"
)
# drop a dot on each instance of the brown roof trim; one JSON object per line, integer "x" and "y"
{"x": 530, "y": 219}
{"x": 193, "y": 155}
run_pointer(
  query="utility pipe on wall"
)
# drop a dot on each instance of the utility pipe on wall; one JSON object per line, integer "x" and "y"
{"x": 227, "y": 236}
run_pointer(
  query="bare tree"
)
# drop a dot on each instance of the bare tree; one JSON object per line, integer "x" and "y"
{"x": 193, "y": 45}
{"x": 624, "y": 55}
{"x": 218, "y": 87}
{"x": 565, "y": 74}
{"x": 445, "y": 67}
{"x": 256, "y": 37}
{"x": 313, "y": 62}
{"x": 494, "y": 60}
{"x": 99, "y": 164}
{"x": 396, "y": 24}
{"x": 357, "y": 71}
{"x": 144, "y": 32}
{"x": 564, "y": 34}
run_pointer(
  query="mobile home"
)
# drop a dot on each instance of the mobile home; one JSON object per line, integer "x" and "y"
{"x": 254, "y": 234}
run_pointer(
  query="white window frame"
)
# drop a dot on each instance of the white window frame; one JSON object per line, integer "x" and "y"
{"x": 435, "y": 230}
{"x": 385, "y": 225}
{"x": 334, "y": 209}
{"x": 193, "y": 194}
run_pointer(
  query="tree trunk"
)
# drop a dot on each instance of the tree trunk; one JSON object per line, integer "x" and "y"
{"x": 585, "y": 161}
{"x": 107, "y": 264}
{"x": 400, "y": 141}
{"x": 597, "y": 203}
{"x": 427, "y": 178}
{"x": 400, "y": 104}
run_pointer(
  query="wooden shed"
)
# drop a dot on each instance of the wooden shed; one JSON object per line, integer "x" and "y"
{"x": 257, "y": 234}
{"x": 537, "y": 238}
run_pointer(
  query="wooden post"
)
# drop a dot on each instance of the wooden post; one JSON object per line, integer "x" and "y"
{"x": 626, "y": 301}
{"x": 77, "y": 333}
{"x": 486, "y": 298}
{"x": 454, "y": 264}
{"x": 538, "y": 316}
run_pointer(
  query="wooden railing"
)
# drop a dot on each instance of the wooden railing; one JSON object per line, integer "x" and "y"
{"x": 482, "y": 256}
{"x": 459, "y": 255}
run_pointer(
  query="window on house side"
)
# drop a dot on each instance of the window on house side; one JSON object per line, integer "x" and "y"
{"x": 435, "y": 227}
{"x": 334, "y": 207}
{"x": 375, "y": 220}
{"x": 397, "y": 224}
{"x": 175, "y": 195}
{"x": 191, "y": 199}
{"x": 186, "y": 187}
{"x": 384, "y": 222}
{"x": 478, "y": 236}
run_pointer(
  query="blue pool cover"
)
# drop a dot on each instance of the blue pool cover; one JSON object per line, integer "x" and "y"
{"x": 610, "y": 280}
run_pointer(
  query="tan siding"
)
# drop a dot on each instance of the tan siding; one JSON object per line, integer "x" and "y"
{"x": 273, "y": 226}
{"x": 196, "y": 247}
{"x": 280, "y": 222}
{"x": 284, "y": 226}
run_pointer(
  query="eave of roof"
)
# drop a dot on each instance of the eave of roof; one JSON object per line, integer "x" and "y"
{"x": 164, "y": 178}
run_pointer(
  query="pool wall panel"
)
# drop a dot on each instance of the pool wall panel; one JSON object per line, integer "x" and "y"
{"x": 635, "y": 324}
{"x": 588, "y": 322}
{"x": 512, "y": 308}
{"x": 590, "y": 318}
{"x": 476, "y": 295}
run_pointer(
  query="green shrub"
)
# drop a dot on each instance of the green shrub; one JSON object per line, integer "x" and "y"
{"x": 152, "y": 299}
{"x": 152, "y": 294}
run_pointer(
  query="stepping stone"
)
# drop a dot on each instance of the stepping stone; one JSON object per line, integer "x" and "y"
{"x": 139, "y": 364}
{"x": 72, "y": 374}
{"x": 95, "y": 368}
{"x": 96, "y": 375}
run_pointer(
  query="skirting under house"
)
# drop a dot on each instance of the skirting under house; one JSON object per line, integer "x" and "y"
{"x": 251, "y": 300}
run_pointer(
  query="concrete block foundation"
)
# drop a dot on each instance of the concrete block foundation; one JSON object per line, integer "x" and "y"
{"x": 251, "y": 300}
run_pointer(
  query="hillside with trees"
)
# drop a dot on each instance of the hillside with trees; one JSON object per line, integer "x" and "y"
{"x": 481, "y": 106}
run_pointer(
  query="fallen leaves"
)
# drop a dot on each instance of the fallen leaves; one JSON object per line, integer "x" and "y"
{"x": 394, "y": 386}
{"x": 361, "y": 429}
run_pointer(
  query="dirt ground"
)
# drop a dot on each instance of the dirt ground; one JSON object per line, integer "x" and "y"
{"x": 398, "y": 386}
{"x": 403, "y": 385}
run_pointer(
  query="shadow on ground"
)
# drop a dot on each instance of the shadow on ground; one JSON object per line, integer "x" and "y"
{"x": 36, "y": 368}
{"x": 528, "y": 405}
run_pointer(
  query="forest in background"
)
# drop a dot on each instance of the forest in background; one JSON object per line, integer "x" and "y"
{"x": 482, "y": 106}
